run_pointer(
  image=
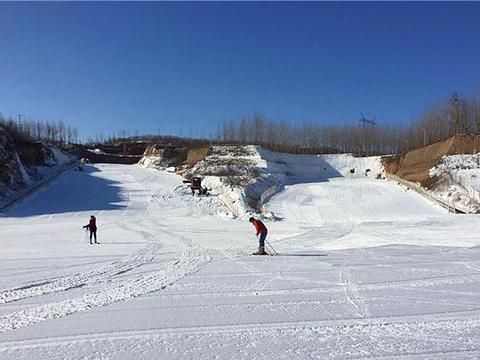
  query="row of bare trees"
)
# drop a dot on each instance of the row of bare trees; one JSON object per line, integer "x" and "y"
{"x": 457, "y": 115}
{"x": 309, "y": 138}
{"x": 55, "y": 132}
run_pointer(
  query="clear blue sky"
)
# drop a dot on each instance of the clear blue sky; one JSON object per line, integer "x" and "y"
{"x": 183, "y": 68}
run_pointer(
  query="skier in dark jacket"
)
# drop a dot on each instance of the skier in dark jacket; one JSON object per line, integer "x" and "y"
{"x": 261, "y": 232}
{"x": 92, "y": 226}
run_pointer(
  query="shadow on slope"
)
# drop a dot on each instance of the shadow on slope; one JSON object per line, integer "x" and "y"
{"x": 309, "y": 254}
{"x": 298, "y": 169}
{"x": 72, "y": 192}
{"x": 287, "y": 169}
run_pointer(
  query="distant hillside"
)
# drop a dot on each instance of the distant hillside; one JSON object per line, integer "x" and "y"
{"x": 414, "y": 165}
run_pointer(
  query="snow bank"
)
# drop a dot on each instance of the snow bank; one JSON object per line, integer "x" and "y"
{"x": 458, "y": 181}
{"x": 150, "y": 161}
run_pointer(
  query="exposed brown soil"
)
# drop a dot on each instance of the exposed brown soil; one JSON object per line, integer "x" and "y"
{"x": 197, "y": 154}
{"x": 415, "y": 164}
{"x": 168, "y": 156}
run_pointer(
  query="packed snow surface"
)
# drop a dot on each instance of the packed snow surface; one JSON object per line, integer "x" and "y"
{"x": 366, "y": 270}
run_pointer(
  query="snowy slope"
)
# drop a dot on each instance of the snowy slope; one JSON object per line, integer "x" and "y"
{"x": 366, "y": 270}
{"x": 245, "y": 177}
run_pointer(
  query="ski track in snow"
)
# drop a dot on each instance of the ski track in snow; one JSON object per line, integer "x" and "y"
{"x": 143, "y": 256}
{"x": 190, "y": 261}
{"x": 352, "y": 295}
{"x": 374, "y": 339}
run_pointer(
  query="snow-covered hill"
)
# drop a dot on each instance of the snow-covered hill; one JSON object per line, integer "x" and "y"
{"x": 245, "y": 177}
{"x": 366, "y": 269}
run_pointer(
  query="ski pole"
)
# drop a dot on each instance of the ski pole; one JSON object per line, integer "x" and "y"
{"x": 269, "y": 250}
{"x": 271, "y": 247}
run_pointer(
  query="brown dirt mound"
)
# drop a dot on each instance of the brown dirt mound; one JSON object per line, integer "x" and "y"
{"x": 415, "y": 164}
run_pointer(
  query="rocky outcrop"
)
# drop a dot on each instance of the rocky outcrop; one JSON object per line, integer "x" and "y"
{"x": 24, "y": 163}
{"x": 12, "y": 173}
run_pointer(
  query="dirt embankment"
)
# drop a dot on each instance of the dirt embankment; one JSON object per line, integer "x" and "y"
{"x": 197, "y": 154}
{"x": 160, "y": 155}
{"x": 415, "y": 164}
{"x": 182, "y": 158}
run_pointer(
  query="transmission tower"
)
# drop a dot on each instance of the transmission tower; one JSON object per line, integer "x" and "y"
{"x": 364, "y": 122}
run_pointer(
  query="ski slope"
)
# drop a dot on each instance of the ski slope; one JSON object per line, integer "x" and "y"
{"x": 367, "y": 270}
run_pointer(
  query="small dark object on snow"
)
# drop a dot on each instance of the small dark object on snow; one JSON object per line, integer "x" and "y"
{"x": 352, "y": 171}
{"x": 196, "y": 184}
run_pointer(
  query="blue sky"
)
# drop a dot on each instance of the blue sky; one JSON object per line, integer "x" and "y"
{"x": 183, "y": 68}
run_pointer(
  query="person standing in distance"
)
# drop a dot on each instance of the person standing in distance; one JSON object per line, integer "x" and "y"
{"x": 92, "y": 226}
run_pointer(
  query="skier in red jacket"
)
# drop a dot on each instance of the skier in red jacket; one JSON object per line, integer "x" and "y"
{"x": 261, "y": 232}
{"x": 92, "y": 226}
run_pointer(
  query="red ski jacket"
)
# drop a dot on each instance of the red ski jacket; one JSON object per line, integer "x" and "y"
{"x": 259, "y": 226}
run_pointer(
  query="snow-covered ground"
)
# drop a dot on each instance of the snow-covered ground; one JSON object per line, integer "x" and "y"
{"x": 366, "y": 270}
